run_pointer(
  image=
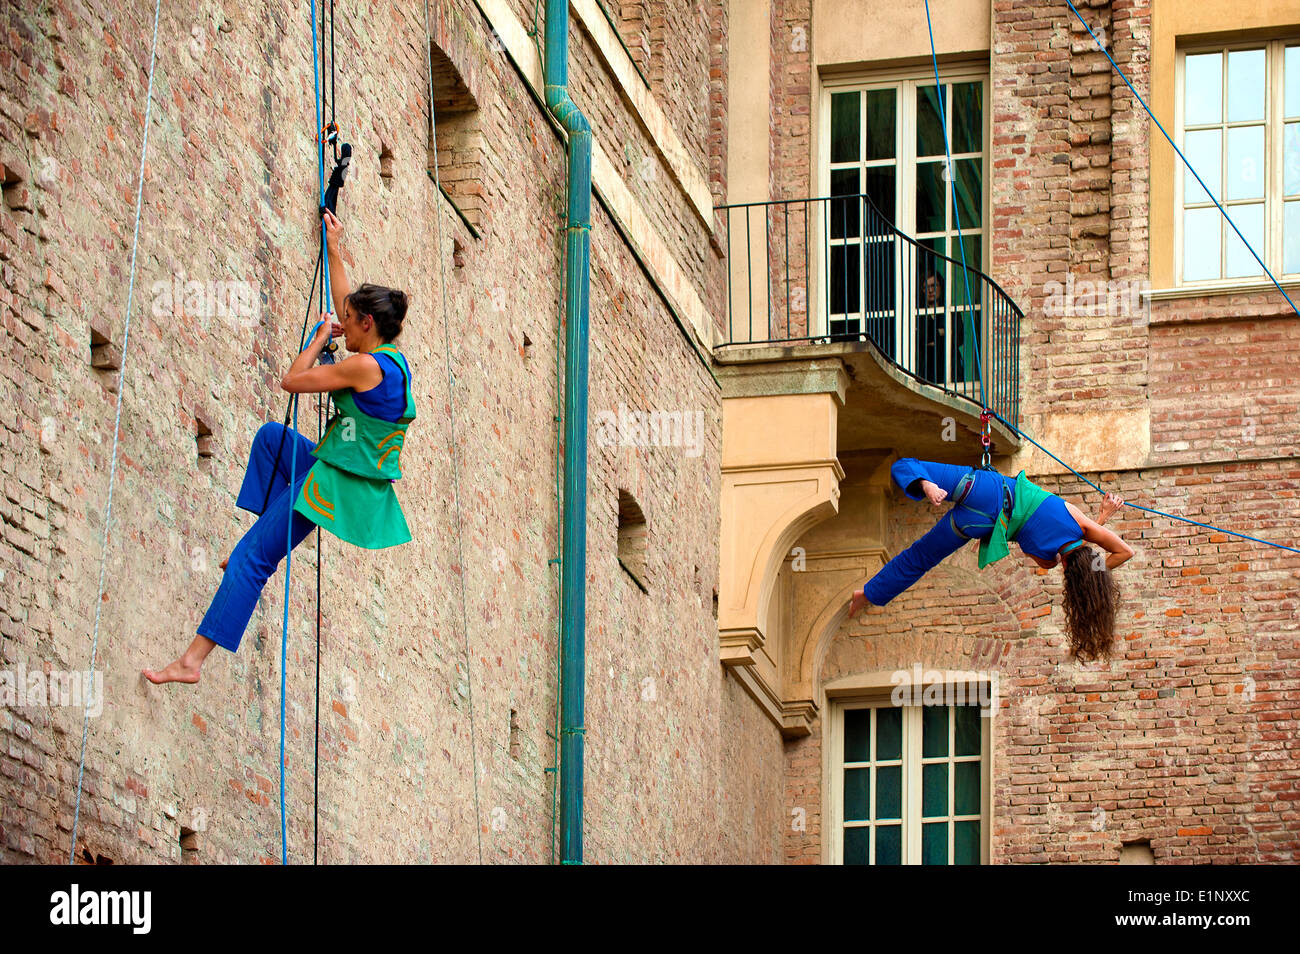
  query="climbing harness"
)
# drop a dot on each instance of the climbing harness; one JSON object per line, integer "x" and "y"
{"x": 988, "y": 414}
{"x": 961, "y": 491}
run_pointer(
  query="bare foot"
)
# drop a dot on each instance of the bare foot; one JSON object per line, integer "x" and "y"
{"x": 179, "y": 671}
{"x": 224, "y": 562}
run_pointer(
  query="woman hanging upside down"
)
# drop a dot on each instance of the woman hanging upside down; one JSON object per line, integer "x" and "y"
{"x": 993, "y": 509}
{"x": 347, "y": 488}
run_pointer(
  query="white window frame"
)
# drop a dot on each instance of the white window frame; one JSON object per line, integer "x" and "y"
{"x": 911, "y": 795}
{"x": 906, "y": 81}
{"x": 1274, "y": 158}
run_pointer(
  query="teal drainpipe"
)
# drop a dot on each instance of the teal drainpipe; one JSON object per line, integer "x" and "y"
{"x": 573, "y": 552}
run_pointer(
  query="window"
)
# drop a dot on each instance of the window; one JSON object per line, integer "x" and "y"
{"x": 883, "y": 145}
{"x": 1239, "y": 127}
{"x": 910, "y": 784}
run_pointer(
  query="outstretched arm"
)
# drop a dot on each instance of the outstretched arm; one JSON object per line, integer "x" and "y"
{"x": 339, "y": 287}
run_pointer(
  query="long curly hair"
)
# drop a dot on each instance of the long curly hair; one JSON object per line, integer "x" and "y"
{"x": 1091, "y": 599}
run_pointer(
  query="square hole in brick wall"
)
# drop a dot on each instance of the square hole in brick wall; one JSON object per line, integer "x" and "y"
{"x": 456, "y": 150}
{"x": 632, "y": 538}
{"x": 1136, "y": 853}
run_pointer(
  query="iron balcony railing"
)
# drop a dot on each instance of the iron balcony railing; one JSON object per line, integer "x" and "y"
{"x": 833, "y": 269}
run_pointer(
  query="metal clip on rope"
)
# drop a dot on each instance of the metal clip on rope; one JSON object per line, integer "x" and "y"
{"x": 328, "y": 352}
{"x": 986, "y": 417}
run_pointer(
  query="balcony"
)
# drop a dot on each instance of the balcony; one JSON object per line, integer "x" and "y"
{"x": 834, "y": 270}
{"x": 849, "y": 344}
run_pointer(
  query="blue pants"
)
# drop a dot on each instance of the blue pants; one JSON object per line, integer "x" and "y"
{"x": 257, "y": 555}
{"x": 941, "y": 541}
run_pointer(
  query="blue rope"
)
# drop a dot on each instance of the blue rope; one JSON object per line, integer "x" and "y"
{"x": 956, "y": 215}
{"x": 1171, "y": 516}
{"x": 117, "y": 423}
{"x": 1249, "y": 248}
{"x": 952, "y": 186}
{"x": 293, "y": 457}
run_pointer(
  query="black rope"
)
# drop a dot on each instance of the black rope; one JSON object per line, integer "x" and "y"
{"x": 332, "y": 100}
{"x": 324, "y": 409}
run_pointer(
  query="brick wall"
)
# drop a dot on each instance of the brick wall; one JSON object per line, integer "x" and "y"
{"x": 1184, "y": 738}
{"x": 229, "y": 195}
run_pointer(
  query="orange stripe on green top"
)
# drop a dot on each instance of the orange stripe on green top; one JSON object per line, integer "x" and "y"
{"x": 330, "y": 428}
{"x": 309, "y": 490}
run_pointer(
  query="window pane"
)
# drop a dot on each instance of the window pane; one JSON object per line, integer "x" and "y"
{"x": 968, "y": 730}
{"x": 846, "y": 129}
{"x": 965, "y": 361}
{"x": 931, "y": 197}
{"x": 880, "y": 189}
{"x": 966, "y": 788}
{"x": 970, "y": 193}
{"x": 931, "y": 293}
{"x": 934, "y": 843}
{"x": 1245, "y": 162}
{"x": 1200, "y": 244}
{"x": 929, "y": 257}
{"x": 934, "y": 731}
{"x": 968, "y": 117}
{"x": 931, "y": 342}
{"x": 929, "y": 298}
{"x": 878, "y": 277}
{"x": 857, "y": 790}
{"x": 889, "y": 734}
{"x": 845, "y": 213}
{"x": 1246, "y": 91}
{"x": 1291, "y": 74}
{"x": 1250, "y": 219}
{"x": 889, "y": 792}
{"x": 1204, "y": 150}
{"x": 967, "y": 843}
{"x": 844, "y": 278}
{"x": 889, "y": 845}
{"x": 934, "y": 790}
{"x": 881, "y": 119}
{"x": 1291, "y": 238}
{"x": 857, "y": 846}
{"x": 857, "y": 739}
{"x": 1203, "y": 89}
{"x": 1291, "y": 159}
{"x": 965, "y": 285}
{"x": 929, "y": 132}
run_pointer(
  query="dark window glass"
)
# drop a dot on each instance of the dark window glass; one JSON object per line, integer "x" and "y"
{"x": 846, "y": 127}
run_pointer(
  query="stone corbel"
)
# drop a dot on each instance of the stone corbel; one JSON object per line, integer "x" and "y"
{"x": 780, "y": 477}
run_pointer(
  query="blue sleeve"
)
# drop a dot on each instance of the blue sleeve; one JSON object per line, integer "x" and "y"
{"x": 906, "y": 472}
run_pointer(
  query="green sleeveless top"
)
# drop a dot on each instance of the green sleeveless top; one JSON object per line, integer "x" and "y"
{"x": 349, "y": 490}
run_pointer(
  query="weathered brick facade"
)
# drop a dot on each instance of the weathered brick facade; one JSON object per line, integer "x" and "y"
{"x": 229, "y": 194}
{"x": 1186, "y": 738}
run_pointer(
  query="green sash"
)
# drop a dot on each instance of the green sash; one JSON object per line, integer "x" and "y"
{"x": 349, "y": 490}
{"x": 1029, "y": 496}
